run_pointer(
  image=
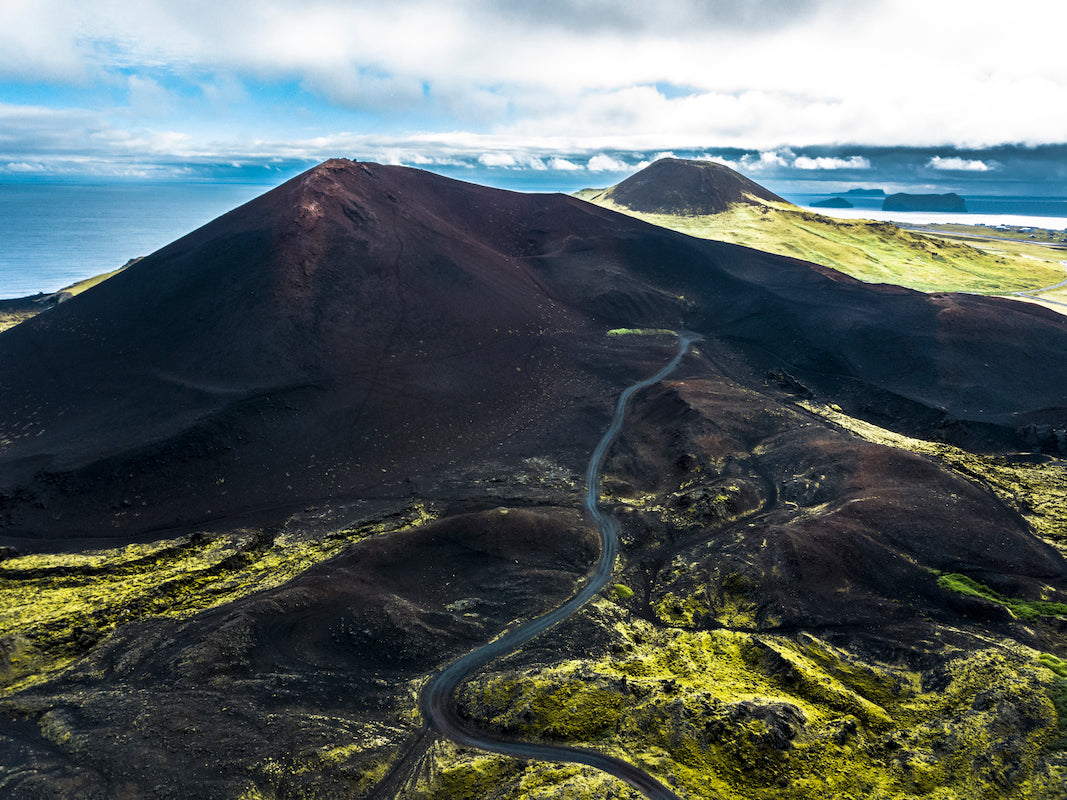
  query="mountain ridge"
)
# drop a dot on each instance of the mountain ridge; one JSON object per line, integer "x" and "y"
{"x": 335, "y": 439}
{"x": 678, "y": 186}
{"x": 291, "y": 343}
{"x": 719, "y": 203}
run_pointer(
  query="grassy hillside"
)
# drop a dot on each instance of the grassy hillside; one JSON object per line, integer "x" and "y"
{"x": 12, "y": 312}
{"x": 876, "y": 252}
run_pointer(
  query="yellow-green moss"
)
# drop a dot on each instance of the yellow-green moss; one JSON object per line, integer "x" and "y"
{"x": 878, "y": 252}
{"x": 1057, "y": 665}
{"x": 451, "y": 771}
{"x": 54, "y": 608}
{"x": 641, "y": 332}
{"x": 689, "y": 610}
{"x": 1023, "y": 609}
{"x": 736, "y": 715}
{"x": 563, "y": 708}
{"x": 456, "y": 773}
{"x": 355, "y": 756}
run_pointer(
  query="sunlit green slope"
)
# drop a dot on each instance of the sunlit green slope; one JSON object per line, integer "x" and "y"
{"x": 876, "y": 252}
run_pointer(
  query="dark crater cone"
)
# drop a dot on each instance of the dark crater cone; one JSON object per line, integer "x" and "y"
{"x": 364, "y": 329}
{"x": 680, "y": 186}
{"x": 368, "y": 338}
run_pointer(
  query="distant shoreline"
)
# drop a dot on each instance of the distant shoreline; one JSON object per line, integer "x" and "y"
{"x": 907, "y": 219}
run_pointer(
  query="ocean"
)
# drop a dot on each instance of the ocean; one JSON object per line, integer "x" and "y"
{"x": 1017, "y": 210}
{"x": 55, "y": 234}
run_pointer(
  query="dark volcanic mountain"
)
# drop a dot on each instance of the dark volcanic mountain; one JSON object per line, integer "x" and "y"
{"x": 677, "y": 186}
{"x": 363, "y": 327}
{"x": 343, "y": 428}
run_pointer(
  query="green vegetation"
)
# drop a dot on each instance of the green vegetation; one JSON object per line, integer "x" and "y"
{"x": 876, "y": 252}
{"x": 1057, "y": 665}
{"x": 1023, "y": 609}
{"x": 1058, "y": 695}
{"x": 458, "y": 773}
{"x": 314, "y": 774}
{"x": 1013, "y": 233}
{"x": 623, "y": 592}
{"x": 54, "y": 608}
{"x": 640, "y": 332}
{"x": 89, "y": 283}
{"x": 696, "y": 697}
{"x": 14, "y": 312}
{"x": 735, "y": 715}
{"x": 9, "y": 319}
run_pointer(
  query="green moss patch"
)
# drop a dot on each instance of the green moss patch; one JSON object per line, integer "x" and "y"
{"x": 1023, "y": 609}
{"x": 640, "y": 332}
{"x": 55, "y": 608}
{"x": 736, "y": 715}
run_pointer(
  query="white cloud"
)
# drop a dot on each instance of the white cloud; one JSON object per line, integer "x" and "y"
{"x": 23, "y": 167}
{"x": 726, "y": 162}
{"x": 604, "y": 163}
{"x": 956, "y": 164}
{"x": 830, "y": 162}
{"x": 767, "y": 161}
{"x": 563, "y": 165}
{"x": 497, "y": 160}
{"x": 147, "y": 97}
{"x": 757, "y": 74}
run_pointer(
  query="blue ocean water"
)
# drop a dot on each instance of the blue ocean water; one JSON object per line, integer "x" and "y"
{"x": 1038, "y": 212}
{"x": 53, "y": 235}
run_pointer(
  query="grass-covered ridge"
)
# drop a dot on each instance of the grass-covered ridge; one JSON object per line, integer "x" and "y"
{"x": 12, "y": 312}
{"x": 876, "y": 252}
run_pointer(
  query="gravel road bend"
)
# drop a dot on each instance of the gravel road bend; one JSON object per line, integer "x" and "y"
{"x": 436, "y": 701}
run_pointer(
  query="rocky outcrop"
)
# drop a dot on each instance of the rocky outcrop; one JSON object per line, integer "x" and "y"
{"x": 833, "y": 202}
{"x": 903, "y": 201}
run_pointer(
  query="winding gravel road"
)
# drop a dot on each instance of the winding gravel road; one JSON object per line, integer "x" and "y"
{"x": 435, "y": 700}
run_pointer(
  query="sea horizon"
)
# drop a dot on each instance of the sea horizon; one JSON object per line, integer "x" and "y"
{"x": 104, "y": 225}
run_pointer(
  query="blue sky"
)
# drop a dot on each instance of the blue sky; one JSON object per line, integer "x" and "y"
{"x": 798, "y": 94}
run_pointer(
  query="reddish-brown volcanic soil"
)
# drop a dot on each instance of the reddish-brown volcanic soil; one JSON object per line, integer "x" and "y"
{"x": 820, "y": 531}
{"x": 677, "y": 186}
{"x": 198, "y": 708}
{"x": 363, "y": 328}
{"x": 365, "y": 335}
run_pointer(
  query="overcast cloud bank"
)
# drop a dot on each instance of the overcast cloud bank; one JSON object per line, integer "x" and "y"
{"x": 777, "y": 88}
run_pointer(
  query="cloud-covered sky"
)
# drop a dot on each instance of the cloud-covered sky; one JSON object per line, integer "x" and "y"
{"x": 574, "y": 91}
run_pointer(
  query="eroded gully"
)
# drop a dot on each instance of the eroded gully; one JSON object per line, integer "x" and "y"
{"x": 436, "y": 699}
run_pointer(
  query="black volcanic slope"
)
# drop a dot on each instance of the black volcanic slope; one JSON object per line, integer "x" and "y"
{"x": 363, "y": 325}
{"x": 279, "y": 401}
{"x": 677, "y": 186}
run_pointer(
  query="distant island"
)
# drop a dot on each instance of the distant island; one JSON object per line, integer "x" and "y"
{"x": 833, "y": 202}
{"x": 866, "y": 192}
{"x": 924, "y": 202}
